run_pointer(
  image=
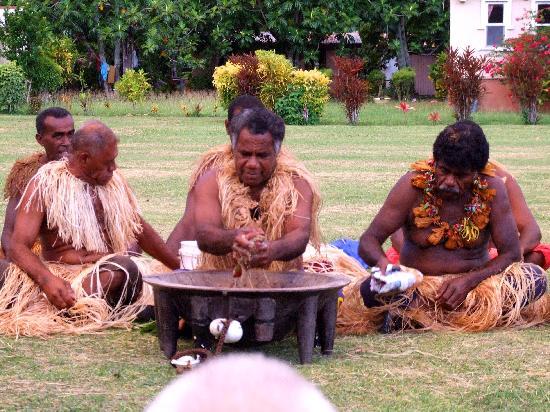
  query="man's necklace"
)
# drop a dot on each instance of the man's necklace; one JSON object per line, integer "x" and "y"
{"x": 466, "y": 230}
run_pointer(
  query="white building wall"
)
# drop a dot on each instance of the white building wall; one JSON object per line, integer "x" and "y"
{"x": 468, "y": 23}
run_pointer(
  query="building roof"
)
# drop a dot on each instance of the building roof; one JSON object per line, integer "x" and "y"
{"x": 349, "y": 38}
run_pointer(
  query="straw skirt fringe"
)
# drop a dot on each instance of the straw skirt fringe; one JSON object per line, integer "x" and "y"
{"x": 25, "y": 311}
{"x": 497, "y": 302}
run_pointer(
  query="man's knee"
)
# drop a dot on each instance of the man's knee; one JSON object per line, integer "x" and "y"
{"x": 535, "y": 257}
{"x": 368, "y": 295}
{"x": 127, "y": 277}
{"x": 122, "y": 264}
{"x": 539, "y": 282}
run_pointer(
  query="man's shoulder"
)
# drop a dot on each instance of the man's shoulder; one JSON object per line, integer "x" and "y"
{"x": 495, "y": 183}
{"x": 212, "y": 159}
{"x": 301, "y": 183}
{"x": 21, "y": 172}
{"x": 499, "y": 170}
{"x": 209, "y": 177}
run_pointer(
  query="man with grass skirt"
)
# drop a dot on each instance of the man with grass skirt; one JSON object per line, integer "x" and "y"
{"x": 86, "y": 217}
{"x": 449, "y": 208}
{"x": 54, "y": 130}
{"x": 185, "y": 229}
{"x": 258, "y": 201}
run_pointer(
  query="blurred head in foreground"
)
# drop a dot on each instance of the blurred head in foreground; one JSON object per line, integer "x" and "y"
{"x": 244, "y": 383}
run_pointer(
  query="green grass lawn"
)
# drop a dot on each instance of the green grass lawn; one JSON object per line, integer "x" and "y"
{"x": 355, "y": 167}
{"x": 180, "y": 105}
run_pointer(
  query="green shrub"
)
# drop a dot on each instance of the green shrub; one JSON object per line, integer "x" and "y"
{"x": 85, "y": 101}
{"x": 326, "y": 71}
{"x": 271, "y": 78}
{"x": 315, "y": 94}
{"x": 437, "y": 74}
{"x": 12, "y": 87}
{"x": 275, "y": 72}
{"x": 225, "y": 82}
{"x": 63, "y": 52}
{"x": 403, "y": 82}
{"x": 47, "y": 75}
{"x": 293, "y": 110}
{"x": 133, "y": 86}
{"x": 376, "y": 79}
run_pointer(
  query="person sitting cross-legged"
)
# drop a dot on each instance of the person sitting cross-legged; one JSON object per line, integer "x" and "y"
{"x": 449, "y": 208}
{"x": 86, "y": 217}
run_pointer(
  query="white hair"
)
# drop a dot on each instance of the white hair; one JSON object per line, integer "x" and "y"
{"x": 252, "y": 118}
{"x": 243, "y": 383}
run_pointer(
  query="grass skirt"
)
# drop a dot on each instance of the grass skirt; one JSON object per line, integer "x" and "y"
{"x": 497, "y": 302}
{"x": 25, "y": 311}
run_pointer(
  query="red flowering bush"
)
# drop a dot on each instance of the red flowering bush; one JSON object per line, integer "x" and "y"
{"x": 524, "y": 65}
{"x": 347, "y": 87}
{"x": 248, "y": 78}
{"x": 462, "y": 78}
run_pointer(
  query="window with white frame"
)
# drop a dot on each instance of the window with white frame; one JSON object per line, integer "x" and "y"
{"x": 542, "y": 17}
{"x": 495, "y": 24}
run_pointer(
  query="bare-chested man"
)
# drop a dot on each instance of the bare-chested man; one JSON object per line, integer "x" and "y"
{"x": 449, "y": 209}
{"x": 253, "y": 194}
{"x": 185, "y": 228}
{"x": 532, "y": 249}
{"x": 54, "y": 130}
{"x": 83, "y": 211}
{"x": 528, "y": 229}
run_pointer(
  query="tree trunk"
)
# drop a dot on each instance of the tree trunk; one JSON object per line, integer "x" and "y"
{"x": 532, "y": 115}
{"x": 127, "y": 54}
{"x": 298, "y": 57}
{"x": 403, "y": 58}
{"x": 116, "y": 59}
{"x": 28, "y": 83}
{"x": 354, "y": 118}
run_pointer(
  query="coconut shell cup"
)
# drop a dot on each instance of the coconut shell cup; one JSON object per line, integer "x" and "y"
{"x": 204, "y": 354}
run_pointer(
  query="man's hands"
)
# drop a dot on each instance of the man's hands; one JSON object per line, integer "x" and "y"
{"x": 453, "y": 292}
{"x": 250, "y": 243}
{"x": 382, "y": 264}
{"x": 58, "y": 291}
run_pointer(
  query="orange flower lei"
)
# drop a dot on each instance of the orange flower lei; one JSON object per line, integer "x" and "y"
{"x": 477, "y": 210}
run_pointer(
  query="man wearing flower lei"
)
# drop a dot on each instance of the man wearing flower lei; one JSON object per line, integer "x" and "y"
{"x": 533, "y": 250}
{"x": 449, "y": 208}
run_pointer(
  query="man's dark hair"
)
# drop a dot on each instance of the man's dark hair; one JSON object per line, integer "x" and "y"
{"x": 57, "y": 112}
{"x": 92, "y": 137}
{"x": 243, "y": 102}
{"x": 258, "y": 121}
{"x": 462, "y": 146}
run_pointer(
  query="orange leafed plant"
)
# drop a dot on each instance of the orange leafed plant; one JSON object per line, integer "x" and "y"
{"x": 434, "y": 117}
{"x": 348, "y": 88}
{"x": 404, "y": 107}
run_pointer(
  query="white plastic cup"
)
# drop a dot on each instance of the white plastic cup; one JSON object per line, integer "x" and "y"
{"x": 189, "y": 254}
